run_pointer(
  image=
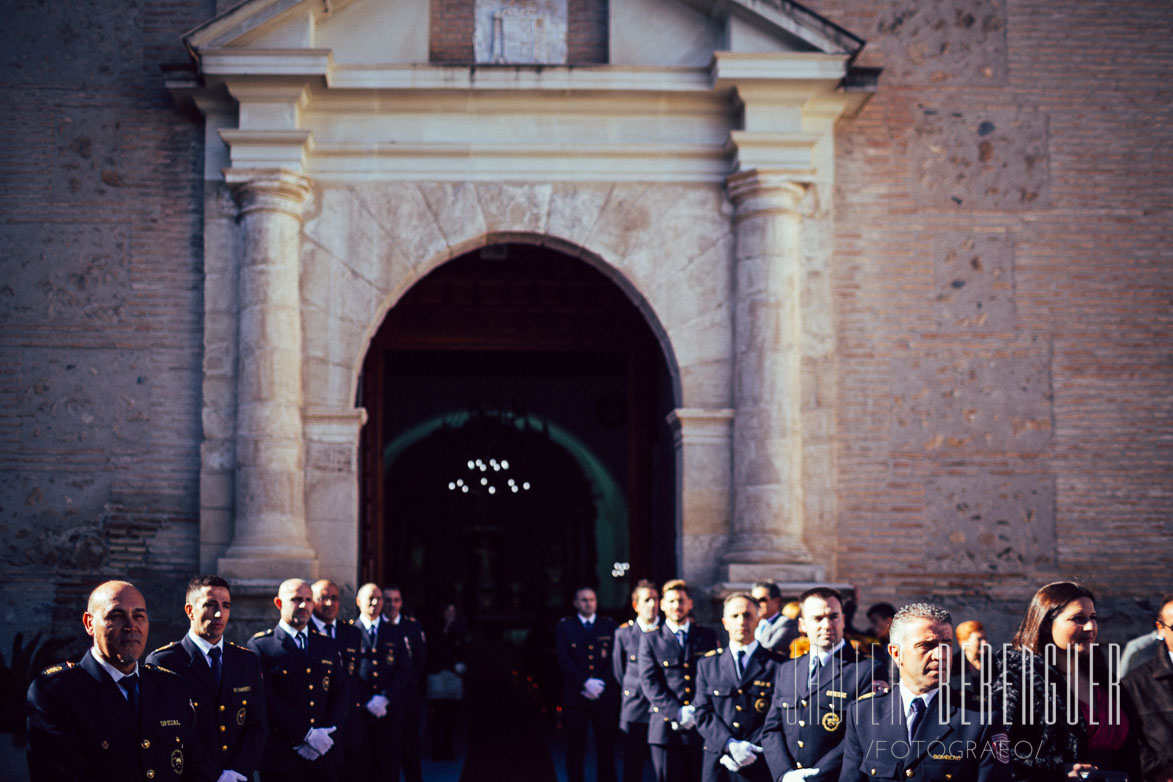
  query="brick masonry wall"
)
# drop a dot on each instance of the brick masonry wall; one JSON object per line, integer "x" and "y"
{"x": 1003, "y": 295}
{"x": 100, "y": 310}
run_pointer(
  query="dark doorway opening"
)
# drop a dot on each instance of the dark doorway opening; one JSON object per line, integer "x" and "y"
{"x": 509, "y": 366}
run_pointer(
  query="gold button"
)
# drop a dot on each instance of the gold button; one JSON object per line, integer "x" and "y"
{"x": 687, "y": 677}
{"x": 223, "y": 728}
{"x": 804, "y": 703}
{"x": 146, "y": 744}
{"x": 195, "y": 704}
{"x": 737, "y": 724}
{"x": 244, "y": 703}
{"x": 948, "y": 776}
{"x": 311, "y": 686}
{"x": 224, "y": 748}
{"x": 737, "y": 708}
{"x": 105, "y": 745}
{"x": 627, "y": 692}
{"x": 798, "y": 765}
{"x": 221, "y": 708}
{"x": 633, "y": 658}
{"x": 908, "y": 773}
{"x": 311, "y": 703}
{"x": 311, "y": 718}
{"x": 802, "y": 723}
{"x": 150, "y": 773}
{"x": 873, "y": 772}
{"x": 686, "y": 701}
{"x": 800, "y": 743}
{"x": 686, "y": 665}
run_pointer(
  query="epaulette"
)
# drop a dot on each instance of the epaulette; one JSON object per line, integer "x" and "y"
{"x": 157, "y": 667}
{"x": 238, "y": 646}
{"x": 56, "y": 669}
{"x": 313, "y": 628}
{"x": 629, "y": 623}
{"x": 713, "y": 652}
{"x": 165, "y": 648}
{"x": 876, "y": 690}
{"x": 263, "y": 633}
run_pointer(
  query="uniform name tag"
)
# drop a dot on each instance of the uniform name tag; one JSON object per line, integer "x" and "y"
{"x": 242, "y": 689}
{"x": 836, "y": 694}
{"x": 945, "y": 757}
{"x": 168, "y": 723}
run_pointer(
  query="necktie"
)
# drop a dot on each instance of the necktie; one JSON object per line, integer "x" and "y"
{"x": 588, "y": 625}
{"x": 217, "y": 669}
{"x": 330, "y": 629}
{"x": 300, "y": 641}
{"x": 918, "y": 711}
{"x": 740, "y": 663}
{"x": 816, "y": 665}
{"x": 371, "y": 636}
{"x": 129, "y": 685}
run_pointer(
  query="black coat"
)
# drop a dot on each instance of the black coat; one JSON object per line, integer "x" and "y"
{"x": 633, "y": 705}
{"x": 81, "y": 728}
{"x": 667, "y": 675}
{"x": 729, "y": 706}
{"x": 1150, "y": 689}
{"x": 963, "y": 747}
{"x": 806, "y": 722}
{"x": 231, "y": 717}
{"x": 384, "y": 668}
{"x": 302, "y": 691}
{"x": 583, "y": 655}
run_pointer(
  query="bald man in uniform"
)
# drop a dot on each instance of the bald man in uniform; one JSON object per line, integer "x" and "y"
{"x": 108, "y": 717}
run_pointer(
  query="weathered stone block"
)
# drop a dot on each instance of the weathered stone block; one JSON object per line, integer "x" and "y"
{"x": 456, "y": 210}
{"x": 574, "y": 210}
{"x": 951, "y": 42}
{"x": 991, "y": 523}
{"x": 993, "y": 159}
{"x": 956, "y": 402}
{"x": 514, "y": 208}
{"x": 973, "y": 282}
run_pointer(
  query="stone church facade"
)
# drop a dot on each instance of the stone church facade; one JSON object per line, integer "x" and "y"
{"x": 905, "y": 265}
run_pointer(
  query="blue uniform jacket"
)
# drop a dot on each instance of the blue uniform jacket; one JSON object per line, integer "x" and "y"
{"x": 231, "y": 717}
{"x": 583, "y": 655}
{"x": 81, "y": 728}
{"x": 383, "y": 668}
{"x": 633, "y": 705}
{"x": 805, "y": 726}
{"x": 302, "y": 691}
{"x": 667, "y": 675}
{"x": 729, "y": 706}
{"x": 962, "y": 747}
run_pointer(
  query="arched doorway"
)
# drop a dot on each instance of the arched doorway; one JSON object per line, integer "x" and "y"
{"x": 522, "y": 354}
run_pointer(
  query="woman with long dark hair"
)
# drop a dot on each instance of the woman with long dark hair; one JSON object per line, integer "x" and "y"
{"x": 1052, "y": 690}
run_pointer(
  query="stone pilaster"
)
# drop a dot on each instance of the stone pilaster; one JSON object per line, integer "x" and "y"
{"x": 269, "y": 538}
{"x": 703, "y": 439}
{"x": 768, "y": 506}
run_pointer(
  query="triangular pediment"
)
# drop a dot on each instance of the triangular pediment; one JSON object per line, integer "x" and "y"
{"x": 684, "y": 33}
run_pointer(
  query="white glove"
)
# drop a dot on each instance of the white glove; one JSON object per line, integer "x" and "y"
{"x": 228, "y": 775}
{"x": 593, "y": 688}
{"x": 306, "y": 751}
{"x": 798, "y": 774}
{"x": 687, "y": 718}
{"x": 377, "y": 705}
{"x": 730, "y": 764}
{"x": 319, "y": 739}
{"x": 742, "y": 752}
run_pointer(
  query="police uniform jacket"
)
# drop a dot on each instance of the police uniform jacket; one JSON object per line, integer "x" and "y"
{"x": 667, "y": 675}
{"x": 585, "y": 654}
{"x": 231, "y": 716}
{"x": 415, "y": 649}
{"x": 633, "y": 705}
{"x": 303, "y": 690}
{"x": 962, "y": 747}
{"x": 729, "y": 706}
{"x": 383, "y": 667}
{"x": 805, "y": 725}
{"x": 81, "y": 727}
{"x": 349, "y": 641}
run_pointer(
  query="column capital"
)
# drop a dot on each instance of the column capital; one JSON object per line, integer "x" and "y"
{"x": 700, "y": 425}
{"x": 761, "y": 191}
{"x": 269, "y": 190}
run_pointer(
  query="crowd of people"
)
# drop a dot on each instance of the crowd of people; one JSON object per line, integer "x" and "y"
{"x": 782, "y": 692}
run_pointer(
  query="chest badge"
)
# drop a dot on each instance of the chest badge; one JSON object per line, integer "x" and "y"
{"x": 761, "y": 705}
{"x": 326, "y": 683}
{"x": 177, "y": 761}
{"x": 831, "y": 721}
{"x": 240, "y": 715}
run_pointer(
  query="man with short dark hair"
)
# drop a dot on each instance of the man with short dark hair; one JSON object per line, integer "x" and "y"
{"x": 305, "y": 688}
{"x": 108, "y": 718}
{"x": 667, "y": 667}
{"x": 223, "y": 680}
{"x": 734, "y": 689}
{"x": 409, "y": 701}
{"x": 918, "y": 728}
{"x": 879, "y": 621}
{"x": 633, "y": 706}
{"x": 1150, "y": 686}
{"x": 804, "y": 731}
{"x": 583, "y": 644}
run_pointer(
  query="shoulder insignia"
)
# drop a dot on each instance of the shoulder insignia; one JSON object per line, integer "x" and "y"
{"x": 263, "y": 633}
{"x": 313, "y": 629}
{"x": 55, "y": 669}
{"x": 165, "y": 648}
{"x": 238, "y": 646}
{"x": 713, "y": 652}
{"x": 409, "y": 618}
{"x": 160, "y": 668}
{"x": 629, "y": 623}
{"x": 865, "y": 696}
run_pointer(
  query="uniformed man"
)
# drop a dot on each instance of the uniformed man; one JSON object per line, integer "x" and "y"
{"x": 410, "y": 698}
{"x": 108, "y": 718}
{"x": 223, "y": 680}
{"x": 305, "y": 690}
{"x": 327, "y": 606}
{"x": 919, "y": 729}
{"x": 383, "y": 674}
{"x": 584, "y": 644}
{"x": 804, "y": 729}
{"x": 633, "y": 706}
{"x": 734, "y": 689}
{"x": 667, "y": 670}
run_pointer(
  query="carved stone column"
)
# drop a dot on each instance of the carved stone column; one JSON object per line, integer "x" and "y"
{"x": 768, "y": 507}
{"x": 269, "y": 540}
